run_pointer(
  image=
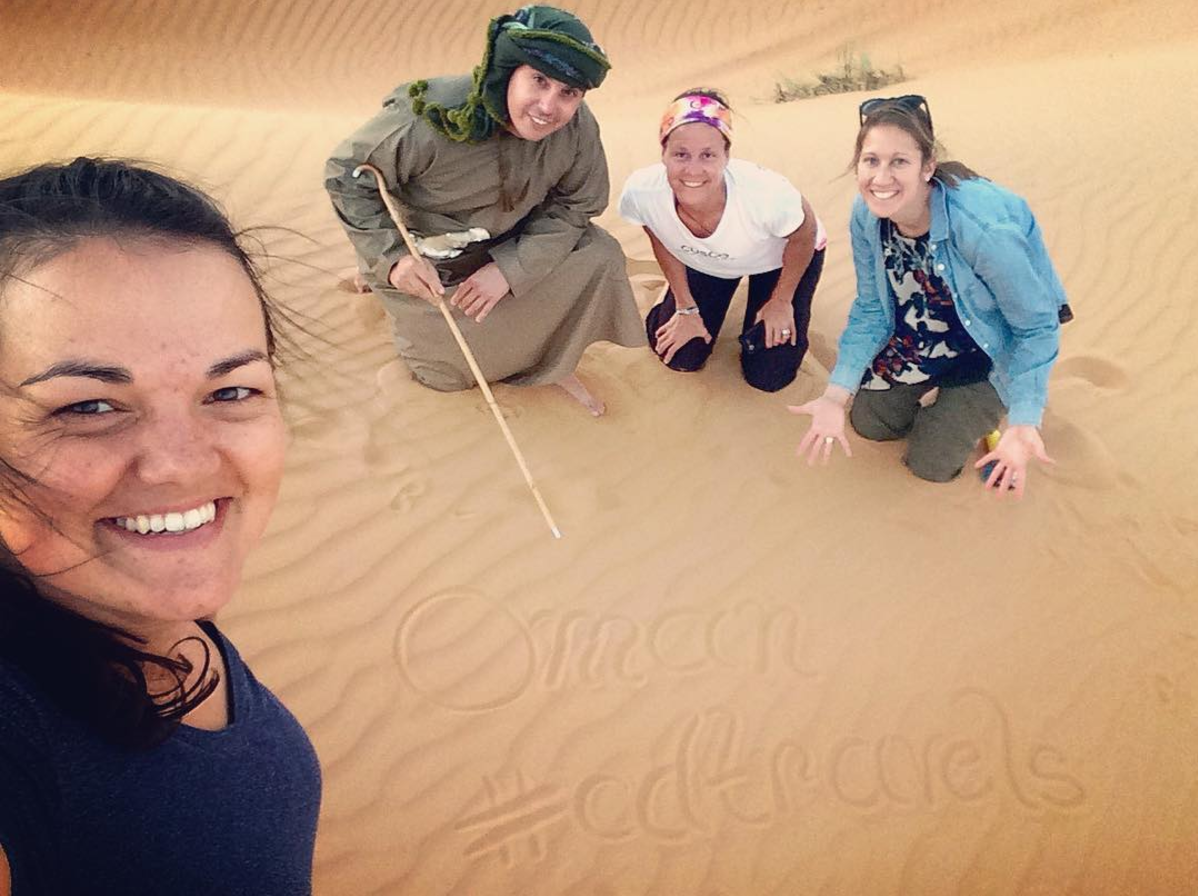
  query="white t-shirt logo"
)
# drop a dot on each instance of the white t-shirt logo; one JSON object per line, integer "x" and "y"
{"x": 694, "y": 250}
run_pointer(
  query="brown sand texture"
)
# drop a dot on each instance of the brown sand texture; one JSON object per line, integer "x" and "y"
{"x": 734, "y": 674}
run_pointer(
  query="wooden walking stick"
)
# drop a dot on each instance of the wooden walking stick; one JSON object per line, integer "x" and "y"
{"x": 397, "y": 217}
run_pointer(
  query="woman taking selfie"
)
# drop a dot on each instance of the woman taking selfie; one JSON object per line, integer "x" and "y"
{"x": 141, "y": 448}
{"x": 713, "y": 220}
{"x": 955, "y": 291}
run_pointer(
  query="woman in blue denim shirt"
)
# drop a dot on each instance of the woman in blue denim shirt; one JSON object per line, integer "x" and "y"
{"x": 955, "y": 292}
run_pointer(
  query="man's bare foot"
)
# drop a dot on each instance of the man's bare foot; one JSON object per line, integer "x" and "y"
{"x": 354, "y": 283}
{"x": 575, "y": 389}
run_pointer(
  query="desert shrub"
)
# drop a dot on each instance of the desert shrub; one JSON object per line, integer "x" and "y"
{"x": 854, "y": 72}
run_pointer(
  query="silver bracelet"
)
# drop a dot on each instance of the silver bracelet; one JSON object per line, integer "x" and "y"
{"x": 694, "y": 309}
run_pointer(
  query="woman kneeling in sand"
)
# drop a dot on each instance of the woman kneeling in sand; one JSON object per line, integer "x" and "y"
{"x": 141, "y": 448}
{"x": 712, "y": 220}
{"x": 509, "y": 164}
{"x": 954, "y": 290}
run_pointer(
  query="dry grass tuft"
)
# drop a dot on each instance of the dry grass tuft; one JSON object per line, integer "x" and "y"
{"x": 852, "y": 74}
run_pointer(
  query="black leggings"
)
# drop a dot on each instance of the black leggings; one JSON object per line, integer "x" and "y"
{"x": 768, "y": 370}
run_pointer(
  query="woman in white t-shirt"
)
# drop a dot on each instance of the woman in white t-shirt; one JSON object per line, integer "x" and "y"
{"x": 712, "y": 220}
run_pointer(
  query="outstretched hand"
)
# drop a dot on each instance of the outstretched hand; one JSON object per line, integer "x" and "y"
{"x": 1018, "y": 445}
{"x": 827, "y": 426}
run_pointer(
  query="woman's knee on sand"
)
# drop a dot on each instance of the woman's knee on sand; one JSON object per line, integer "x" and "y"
{"x": 883, "y": 416}
{"x": 939, "y": 436}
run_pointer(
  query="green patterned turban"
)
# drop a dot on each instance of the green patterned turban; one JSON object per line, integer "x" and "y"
{"x": 553, "y": 41}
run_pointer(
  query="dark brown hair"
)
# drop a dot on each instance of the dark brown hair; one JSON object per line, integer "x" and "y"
{"x": 96, "y": 672}
{"x": 915, "y": 123}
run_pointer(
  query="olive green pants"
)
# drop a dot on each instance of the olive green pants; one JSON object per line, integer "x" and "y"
{"x": 939, "y": 437}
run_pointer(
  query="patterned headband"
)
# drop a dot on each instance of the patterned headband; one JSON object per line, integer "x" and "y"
{"x": 692, "y": 108}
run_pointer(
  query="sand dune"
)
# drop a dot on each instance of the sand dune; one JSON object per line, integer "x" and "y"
{"x": 734, "y": 675}
{"x": 310, "y": 54}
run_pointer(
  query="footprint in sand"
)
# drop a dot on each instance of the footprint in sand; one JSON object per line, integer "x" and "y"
{"x": 393, "y": 470}
{"x": 1082, "y": 457}
{"x": 393, "y": 463}
{"x": 411, "y": 488}
{"x": 1094, "y": 370}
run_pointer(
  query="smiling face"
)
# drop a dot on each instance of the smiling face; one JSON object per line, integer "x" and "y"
{"x": 538, "y": 105}
{"x": 893, "y": 178}
{"x": 695, "y": 156}
{"x": 137, "y": 394}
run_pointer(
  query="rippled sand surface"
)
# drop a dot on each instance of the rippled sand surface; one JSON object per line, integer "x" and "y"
{"x": 734, "y": 675}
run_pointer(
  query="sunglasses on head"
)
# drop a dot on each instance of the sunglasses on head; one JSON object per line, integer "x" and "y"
{"x": 912, "y": 101}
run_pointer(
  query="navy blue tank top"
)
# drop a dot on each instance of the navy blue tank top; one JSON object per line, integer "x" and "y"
{"x": 207, "y": 812}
